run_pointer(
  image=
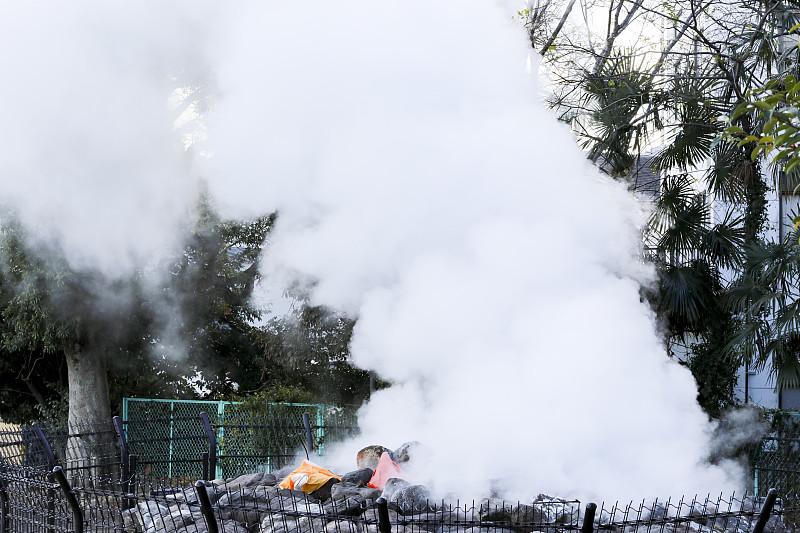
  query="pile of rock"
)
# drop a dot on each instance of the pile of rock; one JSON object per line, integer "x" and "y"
{"x": 254, "y": 503}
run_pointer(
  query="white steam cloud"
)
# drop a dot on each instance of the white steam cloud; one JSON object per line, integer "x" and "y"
{"x": 88, "y": 154}
{"x": 494, "y": 274}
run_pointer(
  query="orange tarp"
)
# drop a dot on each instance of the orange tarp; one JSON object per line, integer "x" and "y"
{"x": 308, "y": 478}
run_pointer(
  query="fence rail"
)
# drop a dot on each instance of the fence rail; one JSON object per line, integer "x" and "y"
{"x": 127, "y": 476}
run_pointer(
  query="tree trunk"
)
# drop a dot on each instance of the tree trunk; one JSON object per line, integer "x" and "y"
{"x": 88, "y": 386}
{"x": 89, "y": 419}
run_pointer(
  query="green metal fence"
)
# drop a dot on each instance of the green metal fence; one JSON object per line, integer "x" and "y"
{"x": 169, "y": 433}
{"x": 775, "y": 459}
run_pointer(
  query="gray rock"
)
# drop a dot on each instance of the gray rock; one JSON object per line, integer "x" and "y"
{"x": 246, "y": 481}
{"x": 249, "y": 506}
{"x": 149, "y": 510}
{"x": 352, "y": 506}
{"x": 171, "y": 522}
{"x": 371, "y": 514}
{"x": 224, "y": 526}
{"x": 281, "y": 523}
{"x": 369, "y": 456}
{"x": 681, "y": 527}
{"x": 349, "y": 500}
{"x": 412, "y": 498}
{"x": 270, "y": 479}
{"x": 345, "y": 526}
{"x": 358, "y": 477}
{"x": 398, "y": 523}
{"x": 189, "y": 496}
{"x": 431, "y": 521}
{"x": 475, "y": 529}
{"x": 281, "y": 473}
{"x": 556, "y": 510}
{"x": 393, "y": 485}
{"x": 232, "y": 527}
{"x": 347, "y": 489}
{"x": 132, "y": 521}
{"x": 324, "y": 492}
{"x": 496, "y": 510}
{"x": 406, "y": 451}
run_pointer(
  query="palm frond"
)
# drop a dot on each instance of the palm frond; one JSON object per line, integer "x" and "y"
{"x": 723, "y": 242}
{"x": 729, "y": 173}
{"x": 685, "y": 291}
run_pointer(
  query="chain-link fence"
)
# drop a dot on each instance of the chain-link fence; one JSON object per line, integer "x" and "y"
{"x": 775, "y": 458}
{"x": 172, "y": 437}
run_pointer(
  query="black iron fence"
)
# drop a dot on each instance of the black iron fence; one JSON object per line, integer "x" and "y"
{"x": 117, "y": 476}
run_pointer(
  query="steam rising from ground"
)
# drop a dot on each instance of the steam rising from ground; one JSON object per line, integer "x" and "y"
{"x": 495, "y": 275}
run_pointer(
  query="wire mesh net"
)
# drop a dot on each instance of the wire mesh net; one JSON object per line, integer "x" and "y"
{"x": 140, "y": 476}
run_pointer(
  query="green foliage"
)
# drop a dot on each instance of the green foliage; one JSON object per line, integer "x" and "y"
{"x": 722, "y": 291}
{"x": 309, "y": 350}
{"x": 617, "y": 94}
{"x": 209, "y": 305}
{"x": 279, "y": 392}
{"x": 775, "y": 105}
{"x": 767, "y": 297}
{"x": 714, "y": 372}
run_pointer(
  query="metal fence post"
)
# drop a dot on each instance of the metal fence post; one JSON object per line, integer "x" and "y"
{"x": 51, "y": 458}
{"x": 321, "y": 429}
{"x": 309, "y": 435}
{"x": 130, "y": 486}
{"x": 205, "y": 507}
{"x": 51, "y": 464}
{"x": 4, "y": 510}
{"x": 384, "y": 525}
{"x": 766, "y": 510}
{"x": 212, "y": 443}
{"x": 72, "y": 500}
{"x": 204, "y": 465}
{"x": 221, "y": 429}
{"x": 588, "y": 518}
{"x": 124, "y": 460}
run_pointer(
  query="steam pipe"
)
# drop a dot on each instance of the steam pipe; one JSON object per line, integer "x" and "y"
{"x": 205, "y": 507}
{"x": 766, "y": 510}
{"x": 588, "y": 518}
{"x": 384, "y": 526}
{"x": 77, "y": 514}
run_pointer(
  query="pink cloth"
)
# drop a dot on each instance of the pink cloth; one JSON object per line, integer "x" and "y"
{"x": 385, "y": 470}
